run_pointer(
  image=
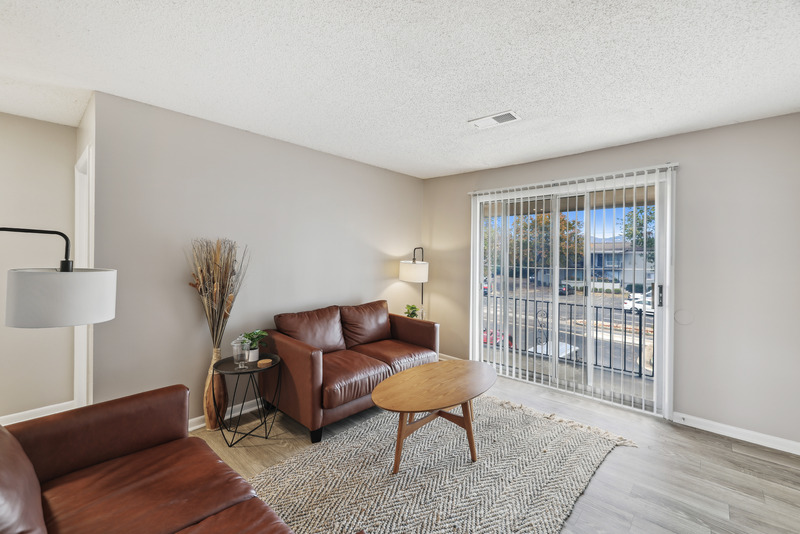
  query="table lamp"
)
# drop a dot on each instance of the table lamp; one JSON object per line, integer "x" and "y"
{"x": 416, "y": 271}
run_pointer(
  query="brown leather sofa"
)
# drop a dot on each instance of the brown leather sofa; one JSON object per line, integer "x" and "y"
{"x": 125, "y": 465}
{"x": 332, "y": 358}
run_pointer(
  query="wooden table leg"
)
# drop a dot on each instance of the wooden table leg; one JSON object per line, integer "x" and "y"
{"x": 466, "y": 410}
{"x": 407, "y": 425}
{"x": 401, "y": 427}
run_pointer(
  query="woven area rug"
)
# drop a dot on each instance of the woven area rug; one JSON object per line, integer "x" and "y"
{"x": 531, "y": 469}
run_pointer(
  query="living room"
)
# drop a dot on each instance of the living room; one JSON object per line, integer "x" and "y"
{"x": 323, "y": 229}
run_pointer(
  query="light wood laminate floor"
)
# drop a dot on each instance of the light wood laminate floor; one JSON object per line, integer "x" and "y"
{"x": 678, "y": 479}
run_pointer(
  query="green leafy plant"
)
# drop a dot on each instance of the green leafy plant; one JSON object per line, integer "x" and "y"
{"x": 255, "y": 338}
{"x": 411, "y": 311}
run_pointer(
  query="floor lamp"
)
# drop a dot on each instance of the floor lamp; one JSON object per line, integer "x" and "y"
{"x": 42, "y": 298}
{"x": 416, "y": 271}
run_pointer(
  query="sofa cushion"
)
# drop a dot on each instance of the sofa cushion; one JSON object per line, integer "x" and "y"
{"x": 348, "y": 375}
{"x": 20, "y": 493}
{"x": 248, "y": 517}
{"x": 366, "y": 323}
{"x": 399, "y": 355}
{"x": 320, "y": 328}
{"x": 160, "y": 489}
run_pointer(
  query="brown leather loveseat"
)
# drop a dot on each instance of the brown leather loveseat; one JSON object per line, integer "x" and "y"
{"x": 125, "y": 465}
{"x": 332, "y": 358}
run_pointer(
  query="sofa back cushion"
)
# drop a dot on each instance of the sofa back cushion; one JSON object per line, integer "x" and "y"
{"x": 366, "y": 323}
{"x": 320, "y": 328}
{"x": 20, "y": 492}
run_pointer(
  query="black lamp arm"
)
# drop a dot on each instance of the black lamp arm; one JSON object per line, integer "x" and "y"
{"x": 422, "y": 254}
{"x": 66, "y": 263}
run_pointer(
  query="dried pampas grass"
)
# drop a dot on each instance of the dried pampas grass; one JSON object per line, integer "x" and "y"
{"x": 217, "y": 276}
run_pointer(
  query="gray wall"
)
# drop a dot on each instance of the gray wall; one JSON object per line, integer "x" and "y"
{"x": 37, "y": 184}
{"x": 736, "y": 257}
{"x": 321, "y": 230}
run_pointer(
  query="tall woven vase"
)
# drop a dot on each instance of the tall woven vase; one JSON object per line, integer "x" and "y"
{"x": 218, "y": 394}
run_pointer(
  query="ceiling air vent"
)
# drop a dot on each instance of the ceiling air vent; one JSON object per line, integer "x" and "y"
{"x": 495, "y": 120}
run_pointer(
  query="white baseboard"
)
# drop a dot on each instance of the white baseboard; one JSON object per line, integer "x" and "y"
{"x": 200, "y": 422}
{"x": 773, "y": 442}
{"x": 197, "y": 422}
{"x": 38, "y": 412}
{"x": 443, "y": 356}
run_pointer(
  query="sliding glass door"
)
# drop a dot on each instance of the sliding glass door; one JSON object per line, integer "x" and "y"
{"x": 568, "y": 285}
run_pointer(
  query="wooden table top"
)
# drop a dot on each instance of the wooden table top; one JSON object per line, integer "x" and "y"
{"x": 434, "y": 386}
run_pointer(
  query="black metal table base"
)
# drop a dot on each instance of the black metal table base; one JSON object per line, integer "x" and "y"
{"x": 229, "y": 422}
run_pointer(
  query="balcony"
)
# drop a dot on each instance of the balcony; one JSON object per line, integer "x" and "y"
{"x": 603, "y": 351}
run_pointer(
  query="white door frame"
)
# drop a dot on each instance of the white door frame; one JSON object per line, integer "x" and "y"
{"x": 83, "y": 256}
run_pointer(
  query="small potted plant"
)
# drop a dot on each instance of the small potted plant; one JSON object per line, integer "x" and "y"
{"x": 255, "y": 338}
{"x": 412, "y": 311}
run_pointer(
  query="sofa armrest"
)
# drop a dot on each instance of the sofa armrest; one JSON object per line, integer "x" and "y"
{"x": 415, "y": 331}
{"x": 301, "y": 379}
{"x": 65, "y": 442}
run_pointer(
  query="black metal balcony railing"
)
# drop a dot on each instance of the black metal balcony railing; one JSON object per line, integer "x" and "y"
{"x": 620, "y": 336}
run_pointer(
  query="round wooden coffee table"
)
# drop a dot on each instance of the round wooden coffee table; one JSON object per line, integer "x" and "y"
{"x": 435, "y": 388}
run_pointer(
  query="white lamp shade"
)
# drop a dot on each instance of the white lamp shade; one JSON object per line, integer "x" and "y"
{"x": 411, "y": 271}
{"x": 39, "y": 298}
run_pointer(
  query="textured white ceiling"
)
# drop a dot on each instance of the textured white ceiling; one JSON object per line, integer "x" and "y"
{"x": 393, "y": 83}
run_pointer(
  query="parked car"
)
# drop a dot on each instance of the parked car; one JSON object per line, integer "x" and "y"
{"x": 490, "y": 339}
{"x": 638, "y": 302}
{"x": 628, "y": 303}
{"x": 566, "y": 289}
{"x": 647, "y": 305}
{"x": 485, "y": 287}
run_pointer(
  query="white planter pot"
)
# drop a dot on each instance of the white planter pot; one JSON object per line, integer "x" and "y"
{"x": 252, "y": 355}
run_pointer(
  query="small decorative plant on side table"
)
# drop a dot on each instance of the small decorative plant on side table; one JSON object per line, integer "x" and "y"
{"x": 255, "y": 338}
{"x": 412, "y": 311}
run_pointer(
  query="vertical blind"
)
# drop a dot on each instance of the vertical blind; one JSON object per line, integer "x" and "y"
{"x": 566, "y": 280}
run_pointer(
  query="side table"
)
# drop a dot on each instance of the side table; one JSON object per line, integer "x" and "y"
{"x": 227, "y": 367}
